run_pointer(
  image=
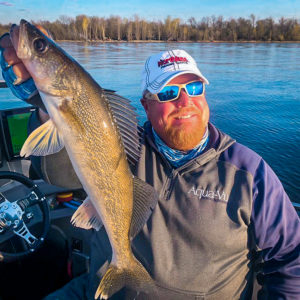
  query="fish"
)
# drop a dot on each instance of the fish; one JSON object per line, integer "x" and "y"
{"x": 99, "y": 134}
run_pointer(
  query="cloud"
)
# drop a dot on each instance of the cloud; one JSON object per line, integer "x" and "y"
{"x": 6, "y": 4}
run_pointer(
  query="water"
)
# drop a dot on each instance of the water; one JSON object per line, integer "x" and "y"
{"x": 253, "y": 93}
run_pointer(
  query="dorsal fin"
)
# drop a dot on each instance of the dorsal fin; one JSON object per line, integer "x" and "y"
{"x": 126, "y": 119}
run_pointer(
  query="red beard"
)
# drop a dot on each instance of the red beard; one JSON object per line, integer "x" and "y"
{"x": 185, "y": 136}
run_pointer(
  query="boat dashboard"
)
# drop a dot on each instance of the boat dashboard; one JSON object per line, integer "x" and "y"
{"x": 40, "y": 250}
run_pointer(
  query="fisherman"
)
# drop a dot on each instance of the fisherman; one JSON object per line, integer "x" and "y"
{"x": 222, "y": 217}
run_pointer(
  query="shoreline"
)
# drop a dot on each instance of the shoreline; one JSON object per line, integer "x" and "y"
{"x": 190, "y": 42}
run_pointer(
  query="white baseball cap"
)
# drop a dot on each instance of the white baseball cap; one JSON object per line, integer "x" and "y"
{"x": 161, "y": 68}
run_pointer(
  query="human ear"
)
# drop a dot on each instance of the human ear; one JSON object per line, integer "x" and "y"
{"x": 145, "y": 104}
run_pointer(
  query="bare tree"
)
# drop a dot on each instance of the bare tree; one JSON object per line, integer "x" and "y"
{"x": 83, "y": 27}
{"x": 253, "y": 35}
{"x": 118, "y": 28}
{"x": 137, "y": 27}
{"x": 129, "y": 31}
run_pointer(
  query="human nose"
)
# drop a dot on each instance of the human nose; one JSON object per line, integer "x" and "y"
{"x": 183, "y": 99}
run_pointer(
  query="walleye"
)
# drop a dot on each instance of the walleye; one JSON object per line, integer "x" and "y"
{"x": 93, "y": 127}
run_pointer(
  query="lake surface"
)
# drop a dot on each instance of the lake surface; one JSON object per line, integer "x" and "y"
{"x": 254, "y": 91}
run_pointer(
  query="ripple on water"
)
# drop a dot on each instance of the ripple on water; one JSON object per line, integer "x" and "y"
{"x": 253, "y": 93}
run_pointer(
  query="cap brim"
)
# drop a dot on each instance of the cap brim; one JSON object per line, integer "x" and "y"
{"x": 174, "y": 74}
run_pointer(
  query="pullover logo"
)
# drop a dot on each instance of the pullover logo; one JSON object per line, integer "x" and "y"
{"x": 173, "y": 59}
{"x": 214, "y": 195}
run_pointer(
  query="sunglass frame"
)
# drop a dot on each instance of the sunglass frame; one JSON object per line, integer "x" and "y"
{"x": 150, "y": 96}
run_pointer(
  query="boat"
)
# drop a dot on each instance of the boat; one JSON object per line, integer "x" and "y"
{"x": 41, "y": 251}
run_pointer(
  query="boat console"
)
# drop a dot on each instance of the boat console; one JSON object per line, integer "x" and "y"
{"x": 37, "y": 241}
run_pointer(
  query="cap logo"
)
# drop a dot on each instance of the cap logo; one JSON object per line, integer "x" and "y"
{"x": 170, "y": 61}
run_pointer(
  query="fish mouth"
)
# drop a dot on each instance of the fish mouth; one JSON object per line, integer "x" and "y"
{"x": 14, "y": 35}
{"x": 19, "y": 39}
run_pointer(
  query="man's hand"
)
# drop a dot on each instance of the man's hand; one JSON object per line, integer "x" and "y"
{"x": 9, "y": 56}
{"x": 14, "y": 71}
{"x": 11, "y": 59}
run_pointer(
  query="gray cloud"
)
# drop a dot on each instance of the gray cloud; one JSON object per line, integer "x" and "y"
{"x": 6, "y": 4}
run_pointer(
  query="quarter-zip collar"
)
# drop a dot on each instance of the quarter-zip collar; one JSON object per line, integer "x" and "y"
{"x": 218, "y": 142}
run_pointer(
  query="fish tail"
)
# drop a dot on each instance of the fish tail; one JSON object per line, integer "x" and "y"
{"x": 115, "y": 278}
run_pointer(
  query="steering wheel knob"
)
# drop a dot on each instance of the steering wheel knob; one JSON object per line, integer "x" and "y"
{"x": 10, "y": 214}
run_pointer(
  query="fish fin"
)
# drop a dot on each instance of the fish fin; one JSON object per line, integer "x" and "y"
{"x": 86, "y": 216}
{"x": 126, "y": 119}
{"x": 135, "y": 276}
{"x": 43, "y": 141}
{"x": 145, "y": 199}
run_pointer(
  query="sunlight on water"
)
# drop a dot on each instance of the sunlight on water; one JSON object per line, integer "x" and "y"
{"x": 253, "y": 93}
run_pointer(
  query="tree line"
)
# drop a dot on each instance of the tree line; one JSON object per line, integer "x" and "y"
{"x": 115, "y": 28}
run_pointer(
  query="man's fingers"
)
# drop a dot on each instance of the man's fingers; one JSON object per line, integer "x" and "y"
{"x": 5, "y": 41}
{"x": 10, "y": 56}
{"x": 21, "y": 72}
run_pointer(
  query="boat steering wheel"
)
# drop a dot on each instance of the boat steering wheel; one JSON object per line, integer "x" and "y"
{"x": 14, "y": 216}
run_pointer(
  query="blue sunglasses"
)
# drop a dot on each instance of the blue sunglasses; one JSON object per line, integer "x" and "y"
{"x": 172, "y": 92}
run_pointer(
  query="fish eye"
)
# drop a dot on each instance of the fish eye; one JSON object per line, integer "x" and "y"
{"x": 40, "y": 45}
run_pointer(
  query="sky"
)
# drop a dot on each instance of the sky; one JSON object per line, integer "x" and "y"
{"x": 11, "y": 11}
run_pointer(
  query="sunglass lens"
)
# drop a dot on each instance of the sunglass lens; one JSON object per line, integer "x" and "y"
{"x": 195, "y": 88}
{"x": 168, "y": 93}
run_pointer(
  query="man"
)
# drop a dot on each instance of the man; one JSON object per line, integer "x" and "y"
{"x": 221, "y": 209}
